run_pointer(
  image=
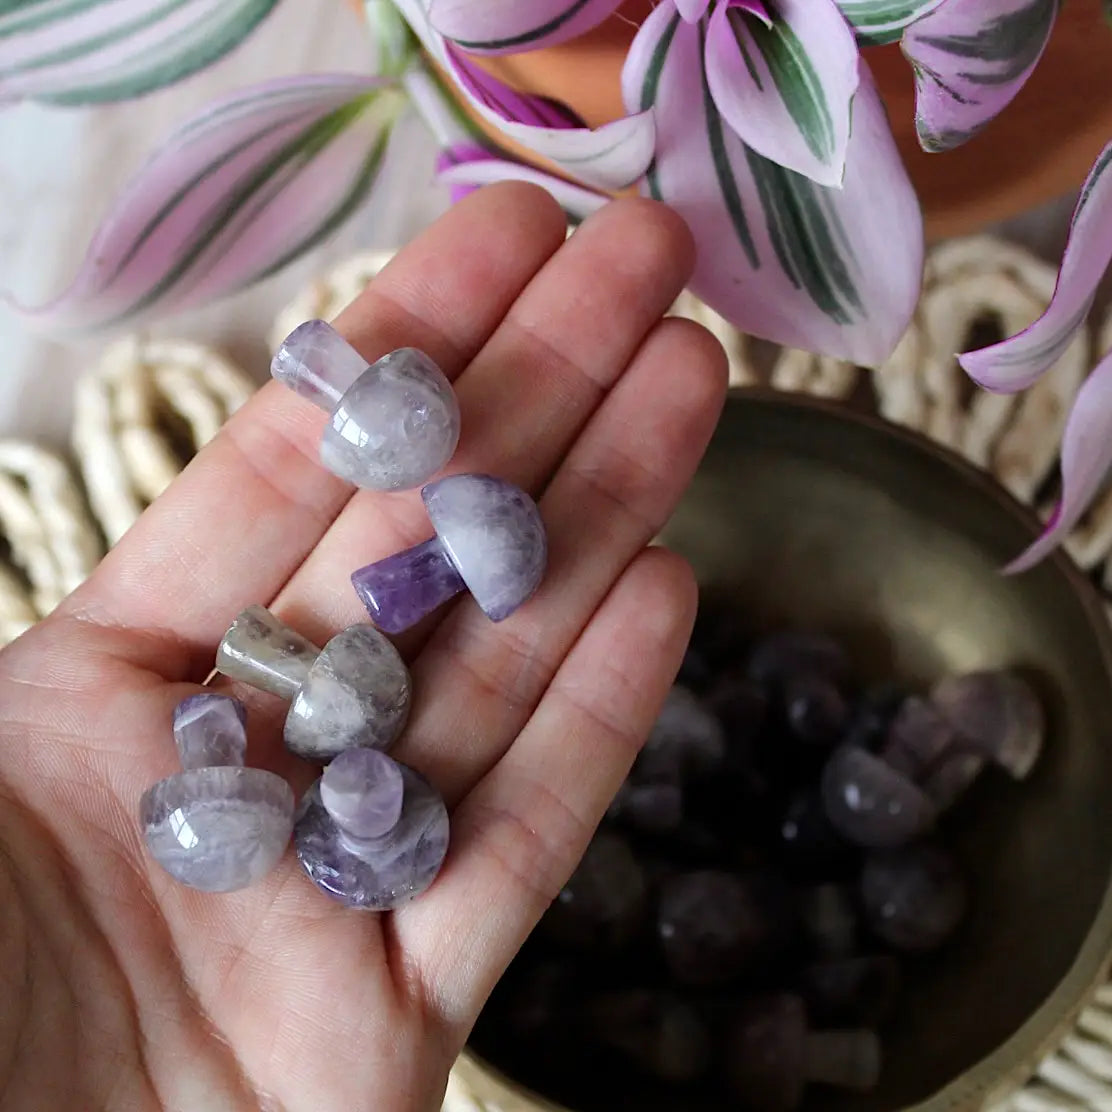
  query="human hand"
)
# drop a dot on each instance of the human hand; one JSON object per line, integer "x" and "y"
{"x": 123, "y": 990}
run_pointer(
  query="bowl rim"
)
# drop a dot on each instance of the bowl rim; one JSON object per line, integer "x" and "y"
{"x": 1012, "y": 1063}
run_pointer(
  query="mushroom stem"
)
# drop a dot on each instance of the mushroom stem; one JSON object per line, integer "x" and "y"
{"x": 401, "y": 589}
{"x": 363, "y": 791}
{"x": 317, "y": 363}
{"x": 265, "y": 653}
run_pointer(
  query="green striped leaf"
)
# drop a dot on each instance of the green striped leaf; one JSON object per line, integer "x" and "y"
{"x": 93, "y": 51}
{"x": 235, "y": 194}
{"x": 832, "y": 270}
{"x": 970, "y": 58}
{"x": 783, "y": 78}
{"x": 1018, "y": 362}
{"x": 512, "y": 26}
{"x": 877, "y": 22}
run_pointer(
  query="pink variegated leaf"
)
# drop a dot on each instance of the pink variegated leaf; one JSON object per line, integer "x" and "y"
{"x": 783, "y": 78}
{"x": 876, "y": 22}
{"x": 970, "y": 58}
{"x": 1016, "y": 363}
{"x": 511, "y": 27}
{"x": 92, "y": 51}
{"x": 468, "y": 166}
{"x": 235, "y": 193}
{"x": 1086, "y": 460}
{"x": 834, "y": 271}
{"x": 607, "y": 157}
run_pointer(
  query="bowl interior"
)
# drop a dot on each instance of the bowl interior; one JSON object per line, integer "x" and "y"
{"x": 801, "y": 514}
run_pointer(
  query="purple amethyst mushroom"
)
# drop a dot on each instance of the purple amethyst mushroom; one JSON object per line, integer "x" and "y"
{"x": 394, "y": 423}
{"x": 714, "y": 925}
{"x": 489, "y": 540}
{"x": 772, "y": 1055}
{"x": 353, "y": 692}
{"x": 914, "y": 898}
{"x": 370, "y": 832}
{"x": 816, "y": 711}
{"x": 870, "y": 803}
{"x": 998, "y": 715}
{"x": 216, "y": 826}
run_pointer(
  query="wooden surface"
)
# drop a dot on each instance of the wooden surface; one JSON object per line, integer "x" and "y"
{"x": 60, "y": 168}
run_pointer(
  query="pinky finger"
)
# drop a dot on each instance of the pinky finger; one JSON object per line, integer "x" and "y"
{"x": 518, "y": 836}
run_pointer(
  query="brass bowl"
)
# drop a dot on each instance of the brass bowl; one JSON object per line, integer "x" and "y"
{"x": 805, "y": 513}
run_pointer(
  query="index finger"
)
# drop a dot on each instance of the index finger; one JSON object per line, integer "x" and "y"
{"x": 253, "y": 504}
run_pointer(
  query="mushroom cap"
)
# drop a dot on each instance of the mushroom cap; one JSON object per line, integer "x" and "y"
{"x": 998, "y": 715}
{"x": 357, "y": 693}
{"x": 870, "y": 803}
{"x": 914, "y": 898}
{"x": 395, "y": 427}
{"x": 492, "y": 532}
{"x": 380, "y": 873}
{"x": 218, "y": 829}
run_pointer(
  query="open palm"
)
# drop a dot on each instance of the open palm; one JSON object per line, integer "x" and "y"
{"x": 120, "y": 989}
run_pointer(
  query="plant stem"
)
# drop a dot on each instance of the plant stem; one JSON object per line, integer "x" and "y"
{"x": 437, "y": 107}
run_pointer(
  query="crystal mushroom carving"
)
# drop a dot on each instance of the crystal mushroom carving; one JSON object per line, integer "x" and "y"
{"x": 870, "y": 803}
{"x": 393, "y": 423}
{"x": 914, "y": 898}
{"x": 772, "y": 1055}
{"x": 216, "y": 826}
{"x": 370, "y": 832}
{"x": 489, "y": 540}
{"x": 996, "y": 714}
{"x": 714, "y": 925}
{"x": 354, "y": 692}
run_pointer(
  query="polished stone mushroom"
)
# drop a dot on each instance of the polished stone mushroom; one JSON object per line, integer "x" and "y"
{"x": 393, "y": 423}
{"x": 870, "y": 803}
{"x": 914, "y": 898}
{"x": 489, "y": 540}
{"x": 997, "y": 714}
{"x": 216, "y": 826}
{"x": 353, "y": 692}
{"x": 370, "y": 832}
{"x": 772, "y": 1054}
